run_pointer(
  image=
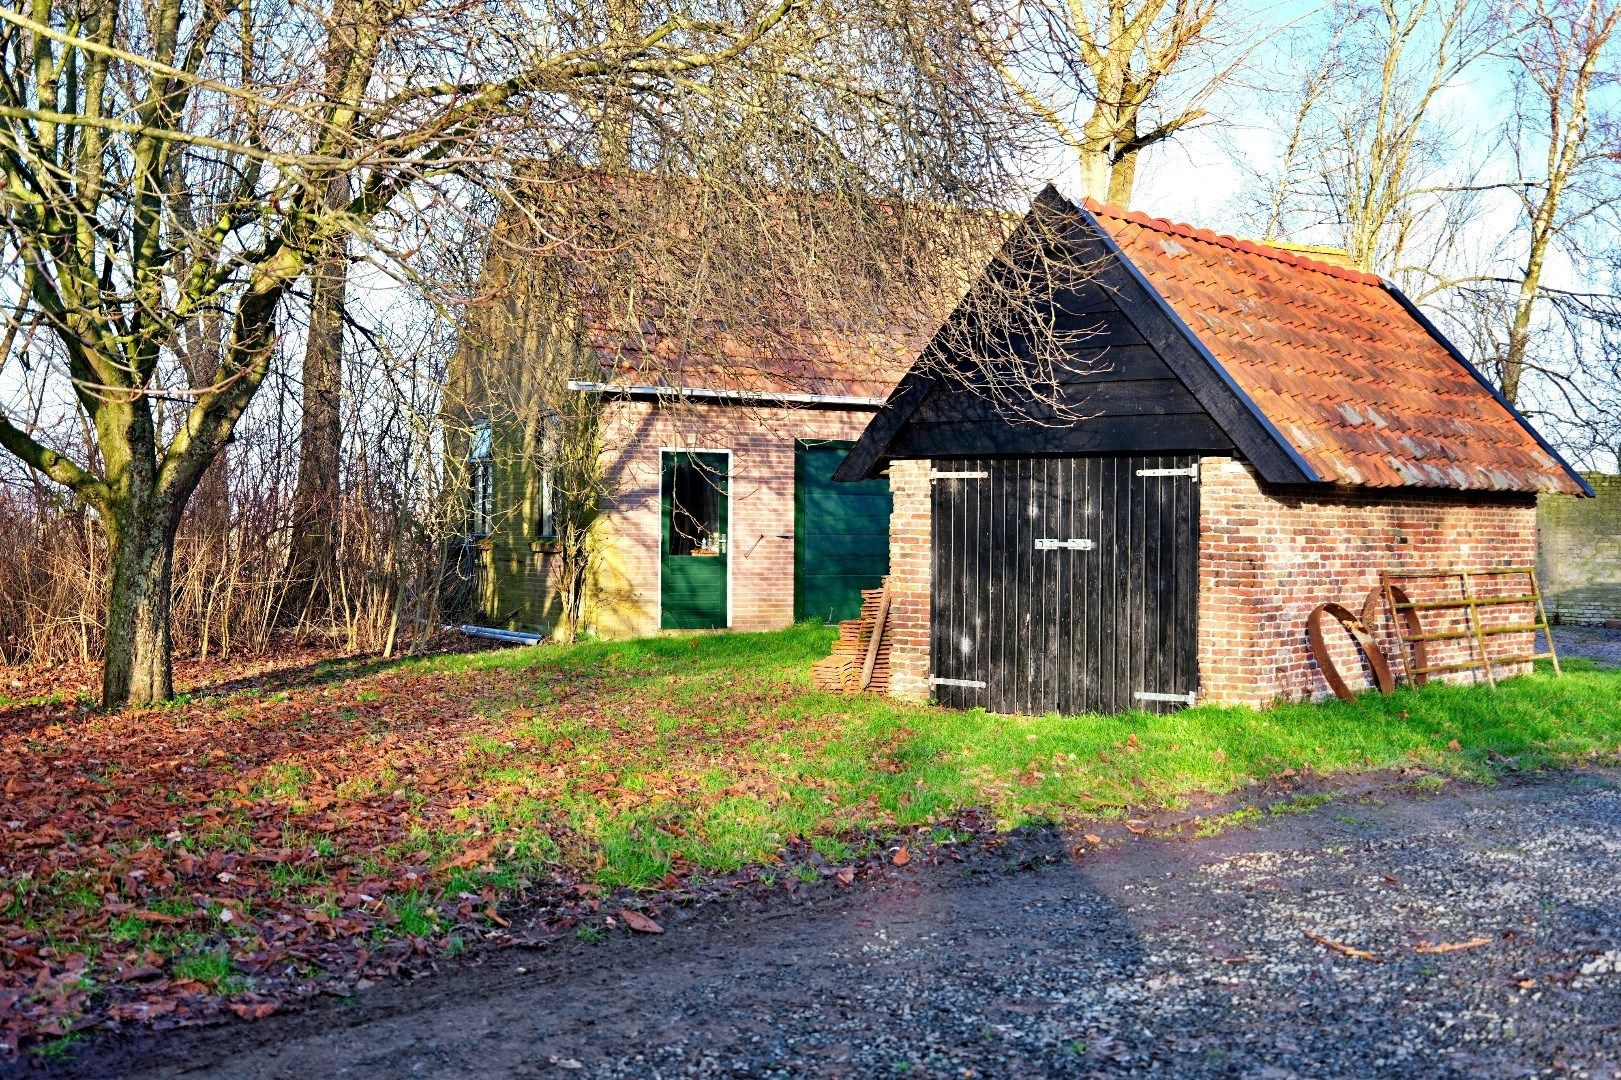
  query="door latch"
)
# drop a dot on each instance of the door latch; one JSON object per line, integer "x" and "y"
{"x": 1191, "y": 470}
{"x": 1052, "y": 543}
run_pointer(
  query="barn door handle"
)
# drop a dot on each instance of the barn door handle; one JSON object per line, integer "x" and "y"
{"x": 1052, "y": 543}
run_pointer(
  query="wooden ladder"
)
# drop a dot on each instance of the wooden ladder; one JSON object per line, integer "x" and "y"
{"x": 1411, "y": 637}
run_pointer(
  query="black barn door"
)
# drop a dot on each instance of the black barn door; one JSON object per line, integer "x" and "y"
{"x": 1066, "y": 584}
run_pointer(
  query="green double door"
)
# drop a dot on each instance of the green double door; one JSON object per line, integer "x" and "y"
{"x": 694, "y": 545}
{"x": 841, "y": 534}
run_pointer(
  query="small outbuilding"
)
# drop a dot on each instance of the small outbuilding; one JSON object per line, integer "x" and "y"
{"x": 1234, "y": 434}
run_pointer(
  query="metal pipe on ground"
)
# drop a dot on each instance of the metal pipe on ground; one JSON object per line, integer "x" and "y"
{"x": 513, "y": 637}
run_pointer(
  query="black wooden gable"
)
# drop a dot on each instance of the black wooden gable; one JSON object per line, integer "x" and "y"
{"x": 1132, "y": 378}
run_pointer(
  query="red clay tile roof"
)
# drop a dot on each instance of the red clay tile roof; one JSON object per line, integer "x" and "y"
{"x": 826, "y": 362}
{"x": 1351, "y": 380}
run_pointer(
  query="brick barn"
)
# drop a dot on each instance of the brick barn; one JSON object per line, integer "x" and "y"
{"x": 1254, "y": 432}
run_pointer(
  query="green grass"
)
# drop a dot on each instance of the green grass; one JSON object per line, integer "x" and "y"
{"x": 626, "y": 764}
{"x": 213, "y": 969}
{"x": 683, "y": 722}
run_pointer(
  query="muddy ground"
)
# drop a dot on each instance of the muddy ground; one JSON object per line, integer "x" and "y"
{"x": 1390, "y": 931}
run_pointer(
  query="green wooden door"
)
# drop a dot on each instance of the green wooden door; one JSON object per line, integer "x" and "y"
{"x": 695, "y": 520}
{"x": 841, "y": 534}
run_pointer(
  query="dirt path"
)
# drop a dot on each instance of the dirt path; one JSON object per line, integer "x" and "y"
{"x": 1189, "y": 954}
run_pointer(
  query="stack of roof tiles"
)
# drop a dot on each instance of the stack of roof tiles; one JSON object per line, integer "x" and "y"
{"x": 840, "y": 671}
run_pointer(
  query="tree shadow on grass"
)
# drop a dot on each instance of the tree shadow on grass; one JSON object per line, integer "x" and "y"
{"x": 326, "y": 672}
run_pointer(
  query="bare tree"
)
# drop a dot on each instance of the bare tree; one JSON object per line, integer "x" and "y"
{"x": 1562, "y": 50}
{"x": 1112, "y": 78}
{"x": 1369, "y": 164}
{"x": 119, "y": 116}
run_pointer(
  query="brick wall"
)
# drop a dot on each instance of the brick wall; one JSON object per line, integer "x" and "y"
{"x": 625, "y": 598}
{"x": 910, "y": 580}
{"x": 1267, "y": 558}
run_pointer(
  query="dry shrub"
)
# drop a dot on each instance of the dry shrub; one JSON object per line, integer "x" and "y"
{"x": 397, "y": 579}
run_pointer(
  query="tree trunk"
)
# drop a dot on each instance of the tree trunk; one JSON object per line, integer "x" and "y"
{"x": 140, "y": 543}
{"x": 1122, "y": 178}
{"x": 315, "y": 498}
{"x": 1524, "y": 305}
{"x": 1095, "y": 167}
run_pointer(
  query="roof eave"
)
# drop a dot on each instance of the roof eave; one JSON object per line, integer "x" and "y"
{"x": 1583, "y": 488}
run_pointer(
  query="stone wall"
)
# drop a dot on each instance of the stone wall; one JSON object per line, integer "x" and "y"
{"x": 1579, "y": 553}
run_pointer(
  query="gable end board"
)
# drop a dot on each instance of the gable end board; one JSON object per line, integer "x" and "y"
{"x": 1453, "y": 351}
{"x": 1229, "y": 413}
{"x": 865, "y": 457}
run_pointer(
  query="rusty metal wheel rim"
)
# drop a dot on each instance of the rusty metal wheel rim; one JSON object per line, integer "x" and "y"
{"x": 1359, "y": 636}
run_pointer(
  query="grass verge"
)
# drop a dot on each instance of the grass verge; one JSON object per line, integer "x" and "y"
{"x": 256, "y": 838}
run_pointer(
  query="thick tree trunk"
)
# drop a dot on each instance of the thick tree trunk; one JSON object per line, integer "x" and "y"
{"x": 141, "y": 550}
{"x": 1094, "y": 161}
{"x": 1122, "y": 178}
{"x": 315, "y": 498}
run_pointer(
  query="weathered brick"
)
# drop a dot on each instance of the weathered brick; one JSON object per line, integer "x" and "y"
{"x": 1266, "y": 558}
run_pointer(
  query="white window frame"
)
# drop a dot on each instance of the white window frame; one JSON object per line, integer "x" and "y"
{"x": 480, "y": 480}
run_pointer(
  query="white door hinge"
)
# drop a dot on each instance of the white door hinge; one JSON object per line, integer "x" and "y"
{"x": 1191, "y": 470}
{"x": 972, "y": 684}
{"x": 1052, "y": 543}
{"x": 937, "y": 475}
{"x": 1175, "y": 699}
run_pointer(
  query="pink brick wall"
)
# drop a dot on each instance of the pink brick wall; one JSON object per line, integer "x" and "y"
{"x": 761, "y": 439}
{"x": 1265, "y": 560}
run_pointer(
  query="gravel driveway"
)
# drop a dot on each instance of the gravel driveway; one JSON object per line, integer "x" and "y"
{"x": 1600, "y": 644}
{"x": 1183, "y": 954}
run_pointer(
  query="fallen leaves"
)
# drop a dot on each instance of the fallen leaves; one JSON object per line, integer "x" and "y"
{"x": 901, "y": 856}
{"x": 157, "y": 917}
{"x": 639, "y": 922}
{"x": 269, "y": 840}
{"x": 844, "y": 875}
{"x": 1341, "y": 947}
